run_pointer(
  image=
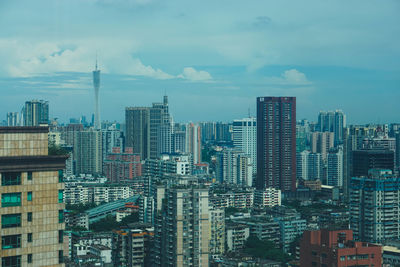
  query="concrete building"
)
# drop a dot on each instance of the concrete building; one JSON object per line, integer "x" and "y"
{"x": 236, "y": 236}
{"x": 269, "y": 197}
{"x": 264, "y": 227}
{"x": 182, "y": 227}
{"x": 88, "y": 152}
{"x": 337, "y": 248}
{"x": 120, "y": 166}
{"x": 334, "y": 176}
{"x": 96, "y": 85}
{"x": 290, "y": 228}
{"x": 374, "y": 206}
{"x": 245, "y": 138}
{"x": 322, "y": 142}
{"x": 168, "y": 165}
{"x": 276, "y": 143}
{"x": 36, "y": 112}
{"x": 137, "y": 123}
{"x": 365, "y": 159}
{"x": 13, "y": 119}
{"x": 32, "y": 208}
{"x": 193, "y": 142}
{"x": 217, "y": 231}
{"x": 132, "y": 246}
{"x": 234, "y": 167}
{"x": 310, "y": 166}
{"x": 332, "y": 121}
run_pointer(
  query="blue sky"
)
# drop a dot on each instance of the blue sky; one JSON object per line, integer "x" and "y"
{"x": 212, "y": 58}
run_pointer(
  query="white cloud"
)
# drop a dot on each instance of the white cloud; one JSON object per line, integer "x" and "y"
{"x": 26, "y": 59}
{"x": 294, "y": 76}
{"x": 289, "y": 77}
{"x": 194, "y": 75}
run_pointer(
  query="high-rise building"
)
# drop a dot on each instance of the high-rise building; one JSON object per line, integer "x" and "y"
{"x": 334, "y": 169}
{"x": 234, "y": 167}
{"x": 96, "y": 85}
{"x": 119, "y": 166}
{"x": 375, "y": 206}
{"x": 309, "y": 166}
{"x": 332, "y": 121}
{"x": 149, "y": 130}
{"x": 88, "y": 152}
{"x": 365, "y": 159}
{"x": 337, "y": 248}
{"x": 245, "y": 138}
{"x": 182, "y": 227}
{"x": 321, "y": 142}
{"x": 137, "y": 121}
{"x": 13, "y": 119}
{"x": 217, "y": 231}
{"x": 276, "y": 143}
{"x": 193, "y": 141}
{"x": 36, "y": 112}
{"x": 32, "y": 209}
{"x": 397, "y": 154}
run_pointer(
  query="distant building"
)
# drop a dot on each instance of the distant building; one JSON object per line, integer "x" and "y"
{"x": 337, "y": 248}
{"x": 310, "y": 166}
{"x": 137, "y": 120}
{"x": 276, "y": 143}
{"x": 334, "y": 176}
{"x": 269, "y": 197}
{"x": 332, "y": 121}
{"x": 365, "y": 159}
{"x": 234, "y": 167}
{"x": 322, "y": 142}
{"x": 36, "y": 112}
{"x": 193, "y": 142}
{"x": 120, "y": 166}
{"x": 245, "y": 138}
{"x": 217, "y": 231}
{"x": 13, "y": 119}
{"x": 236, "y": 236}
{"x": 88, "y": 152}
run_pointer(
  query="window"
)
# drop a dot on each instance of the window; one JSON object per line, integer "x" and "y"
{"x": 60, "y": 216}
{"x": 11, "y": 199}
{"x": 29, "y": 217}
{"x": 29, "y": 196}
{"x": 13, "y": 261}
{"x": 29, "y": 237}
{"x": 60, "y": 256}
{"x": 342, "y": 258}
{"x": 11, "y": 220}
{"x": 60, "y": 176}
{"x": 60, "y": 196}
{"x": 10, "y": 178}
{"x": 29, "y": 176}
{"x": 29, "y": 258}
{"x": 60, "y": 236}
{"x": 10, "y": 241}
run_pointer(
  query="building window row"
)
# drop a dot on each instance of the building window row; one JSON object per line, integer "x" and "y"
{"x": 10, "y": 241}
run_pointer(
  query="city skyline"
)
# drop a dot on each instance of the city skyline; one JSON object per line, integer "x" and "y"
{"x": 224, "y": 57}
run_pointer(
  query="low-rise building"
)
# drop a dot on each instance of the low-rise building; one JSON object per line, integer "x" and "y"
{"x": 236, "y": 236}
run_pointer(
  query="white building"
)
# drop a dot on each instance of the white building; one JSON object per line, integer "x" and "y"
{"x": 269, "y": 197}
{"x": 334, "y": 175}
{"x": 245, "y": 138}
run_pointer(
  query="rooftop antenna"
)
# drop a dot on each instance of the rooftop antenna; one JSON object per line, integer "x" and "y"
{"x": 96, "y": 60}
{"x": 249, "y": 112}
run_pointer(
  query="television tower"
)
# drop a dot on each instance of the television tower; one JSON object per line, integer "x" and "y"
{"x": 96, "y": 84}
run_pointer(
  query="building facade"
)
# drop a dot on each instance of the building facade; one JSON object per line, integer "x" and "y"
{"x": 276, "y": 143}
{"x": 32, "y": 208}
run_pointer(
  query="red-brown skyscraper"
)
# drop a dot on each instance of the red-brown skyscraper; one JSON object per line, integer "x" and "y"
{"x": 276, "y": 143}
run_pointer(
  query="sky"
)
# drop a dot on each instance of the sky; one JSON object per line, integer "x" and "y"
{"x": 212, "y": 58}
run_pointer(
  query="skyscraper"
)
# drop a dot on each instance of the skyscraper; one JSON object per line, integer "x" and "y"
{"x": 137, "y": 125}
{"x": 332, "y": 121}
{"x": 245, "y": 138}
{"x": 96, "y": 84}
{"x": 88, "y": 152}
{"x": 13, "y": 119}
{"x": 32, "y": 209}
{"x": 193, "y": 142}
{"x": 276, "y": 143}
{"x": 36, "y": 112}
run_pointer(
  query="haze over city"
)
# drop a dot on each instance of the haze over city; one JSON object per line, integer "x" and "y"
{"x": 211, "y": 58}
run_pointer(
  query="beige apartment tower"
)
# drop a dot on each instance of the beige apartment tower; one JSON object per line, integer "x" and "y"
{"x": 32, "y": 209}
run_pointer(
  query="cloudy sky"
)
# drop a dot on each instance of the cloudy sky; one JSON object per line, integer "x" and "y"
{"x": 212, "y": 58}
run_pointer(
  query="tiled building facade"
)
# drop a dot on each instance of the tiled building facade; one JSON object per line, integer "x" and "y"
{"x": 32, "y": 209}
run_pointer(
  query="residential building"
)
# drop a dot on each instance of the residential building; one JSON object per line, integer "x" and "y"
{"x": 334, "y": 168}
{"x": 234, "y": 167}
{"x": 36, "y": 112}
{"x": 332, "y": 121}
{"x": 32, "y": 208}
{"x": 217, "y": 231}
{"x": 365, "y": 159}
{"x": 13, "y": 119}
{"x": 276, "y": 143}
{"x": 245, "y": 138}
{"x": 137, "y": 123}
{"x": 374, "y": 206}
{"x": 337, "y": 248}
{"x": 236, "y": 236}
{"x": 268, "y": 197}
{"x": 322, "y": 142}
{"x": 193, "y": 142}
{"x": 120, "y": 166}
{"x": 182, "y": 227}
{"x": 88, "y": 152}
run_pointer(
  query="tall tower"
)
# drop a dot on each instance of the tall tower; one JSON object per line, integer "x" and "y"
{"x": 96, "y": 84}
{"x": 276, "y": 143}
